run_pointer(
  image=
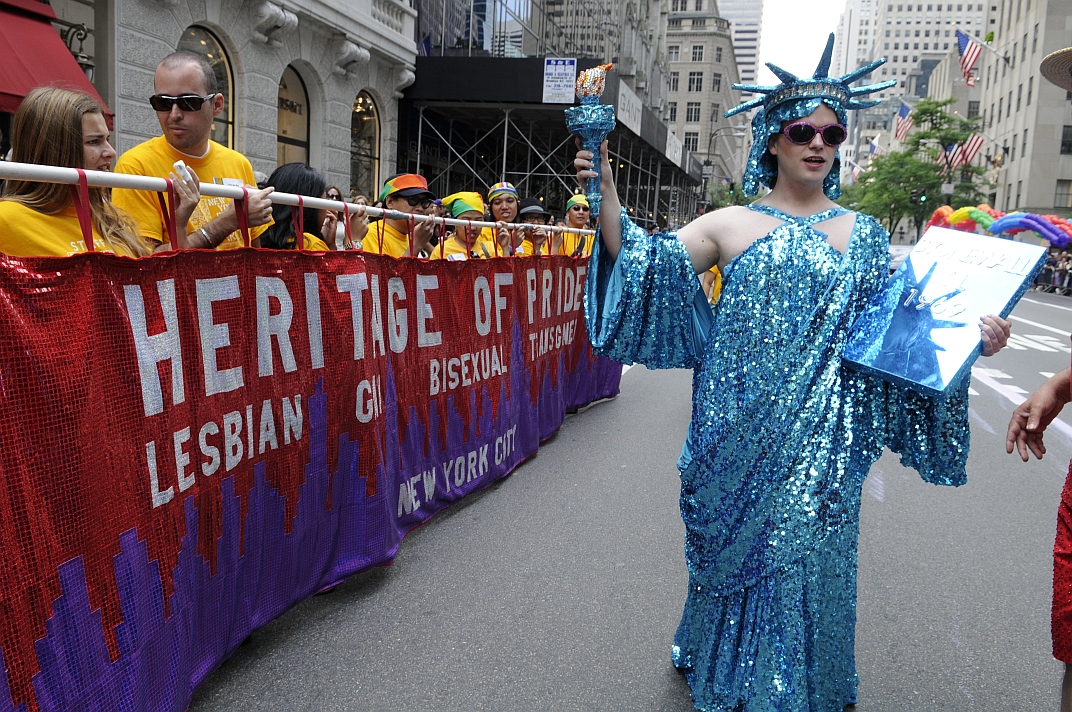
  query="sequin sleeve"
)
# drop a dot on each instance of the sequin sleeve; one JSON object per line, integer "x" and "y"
{"x": 931, "y": 435}
{"x": 644, "y": 306}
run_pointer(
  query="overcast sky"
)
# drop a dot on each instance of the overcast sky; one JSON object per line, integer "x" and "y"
{"x": 794, "y": 34}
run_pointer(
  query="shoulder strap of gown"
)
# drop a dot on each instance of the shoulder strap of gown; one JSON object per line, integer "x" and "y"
{"x": 803, "y": 221}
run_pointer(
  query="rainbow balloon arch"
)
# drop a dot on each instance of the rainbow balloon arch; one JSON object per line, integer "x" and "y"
{"x": 1055, "y": 230}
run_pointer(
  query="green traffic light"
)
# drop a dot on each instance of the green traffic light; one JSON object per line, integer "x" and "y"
{"x": 923, "y": 198}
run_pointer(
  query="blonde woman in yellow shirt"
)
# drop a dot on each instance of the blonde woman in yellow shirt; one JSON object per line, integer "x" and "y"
{"x": 56, "y": 127}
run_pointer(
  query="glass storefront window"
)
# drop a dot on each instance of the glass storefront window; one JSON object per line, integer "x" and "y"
{"x": 365, "y": 147}
{"x": 293, "y": 134}
{"x": 200, "y": 41}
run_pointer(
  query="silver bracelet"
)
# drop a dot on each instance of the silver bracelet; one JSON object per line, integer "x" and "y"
{"x": 208, "y": 240}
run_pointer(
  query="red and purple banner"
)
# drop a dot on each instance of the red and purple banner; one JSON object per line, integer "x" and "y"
{"x": 193, "y": 443}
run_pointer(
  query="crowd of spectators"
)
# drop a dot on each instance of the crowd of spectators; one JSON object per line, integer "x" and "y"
{"x": 1056, "y": 276}
{"x": 57, "y": 127}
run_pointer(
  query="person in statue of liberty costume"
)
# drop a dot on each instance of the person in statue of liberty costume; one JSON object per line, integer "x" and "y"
{"x": 782, "y": 433}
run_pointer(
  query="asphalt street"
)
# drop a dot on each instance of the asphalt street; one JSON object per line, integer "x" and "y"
{"x": 560, "y": 587}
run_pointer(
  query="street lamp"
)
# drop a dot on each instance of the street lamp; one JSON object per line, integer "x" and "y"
{"x": 708, "y": 170}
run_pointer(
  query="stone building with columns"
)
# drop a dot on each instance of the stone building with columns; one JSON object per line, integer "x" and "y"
{"x": 304, "y": 80}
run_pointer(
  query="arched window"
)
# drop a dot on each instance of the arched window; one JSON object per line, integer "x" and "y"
{"x": 293, "y": 136}
{"x": 365, "y": 147}
{"x": 200, "y": 41}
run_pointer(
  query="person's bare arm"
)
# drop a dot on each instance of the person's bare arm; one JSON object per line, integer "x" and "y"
{"x": 610, "y": 222}
{"x": 698, "y": 236}
{"x": 1031, "y": 417}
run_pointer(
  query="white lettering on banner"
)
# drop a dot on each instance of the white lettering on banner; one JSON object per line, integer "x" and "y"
{"x": 482, "y": 305}
{"x": 377, "y": 319}
{"x": 505, "y": 445}
{"x": 408, "y": 500}
{"x": 502, "y": 279}
{"x": 151, "y": 350}
{"x": 467, "y": 467}
{"x": 216, "y": 336}
{"x": 312, "y": 318}
{"x": 530, "y": 283}
{"x": 548, "y": 279}
{"x": 551, "y": 338}
{"x": 630, "y": 108}
{"x": 234, "y": 447}
{"x": 274, "y": 325}
{"x": 397, "y": 328}
{"x": 426, "y": 283}
{"x": 354, "y": 284}
{"x": 448, "y": 374}
{"x": 369, "y": 399}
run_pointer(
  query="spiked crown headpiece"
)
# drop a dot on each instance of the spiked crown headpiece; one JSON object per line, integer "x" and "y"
{"x": 795, "y": 98}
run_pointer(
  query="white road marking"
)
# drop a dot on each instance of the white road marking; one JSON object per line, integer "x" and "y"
{"x": 972, "y": 391}
{"x": 992, "y": 372}
{"x": 1062, "y": 332}
{"x": 1045, "y": 374}
{"x": 1028, "y": 343}
{"x": 1014, "y": 395}
{"x": 626, "y": 368}
{"x": 1050, "y": 341}
{"x": 1047, "y": 304}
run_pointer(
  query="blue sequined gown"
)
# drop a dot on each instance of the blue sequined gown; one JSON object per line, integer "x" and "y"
{"x": 781, "y": 439}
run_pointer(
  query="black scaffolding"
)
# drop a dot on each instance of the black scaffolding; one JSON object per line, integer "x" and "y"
{"x": 472, "y": 122}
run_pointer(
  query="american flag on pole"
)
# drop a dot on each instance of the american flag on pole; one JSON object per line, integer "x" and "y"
{"x": 969, "y": 51}
{"x": 904, "y": 122}
{"x": 968, "y": 151}
{"x": 857, "y": 169}
{"x": 874, "y": 149}
{"x": 952, "y": 152}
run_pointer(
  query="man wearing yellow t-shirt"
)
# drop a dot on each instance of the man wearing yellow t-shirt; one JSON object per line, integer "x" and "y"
{"x": 186, "y": 101}
{"x": 571, "y": 243}
{"x": 405, "y": 193}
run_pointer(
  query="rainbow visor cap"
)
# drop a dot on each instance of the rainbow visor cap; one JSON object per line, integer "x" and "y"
{"x": 406, "y": 185}
{"x": 577, "y": 199}
{"x": 502, "y": 189}
{"x": 460, "y": 203}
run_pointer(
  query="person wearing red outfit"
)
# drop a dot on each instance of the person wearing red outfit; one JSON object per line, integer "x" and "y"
{"x": 1026, "y": 428}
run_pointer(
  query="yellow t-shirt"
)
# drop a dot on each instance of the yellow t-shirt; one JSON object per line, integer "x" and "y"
{"x": 528, "y": 249}
{"x": 24, "y": 232}
{"x": 156, "y": 157}
{"x": 716, "y": 288}
{"x": 314, "y": 243}
{"x": 382, "y": 239}
{"x": 455, "y": 250}
{"x": 570, "y": 240}
{"x": 487, "y": 236}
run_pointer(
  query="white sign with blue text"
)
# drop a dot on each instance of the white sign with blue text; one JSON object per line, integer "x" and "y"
{"x": 559, "y": 78}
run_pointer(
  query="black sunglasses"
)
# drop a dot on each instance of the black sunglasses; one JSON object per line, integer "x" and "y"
{"x": 802, "y": 132}
{"x": 415, "y": 200}
{"x": 186, "y": 102}
{"x": 334, "y": 196}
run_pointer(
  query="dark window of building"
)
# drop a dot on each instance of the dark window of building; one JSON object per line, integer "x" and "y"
{"x": 673, "y": 81}
{"x": 671, "y": 111}
{"x": 973, "y": 109}
{"x": 692, "y": 140}
{"x": 695, "y": 81}
{"x": 692, "y": 112}
{"x": 697, "y": 53}
{"x": 717, "y": 81}
{"x": 1066, "y": 140}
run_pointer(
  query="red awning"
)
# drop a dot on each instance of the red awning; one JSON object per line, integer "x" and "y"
{"x": 34, "y": 55}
